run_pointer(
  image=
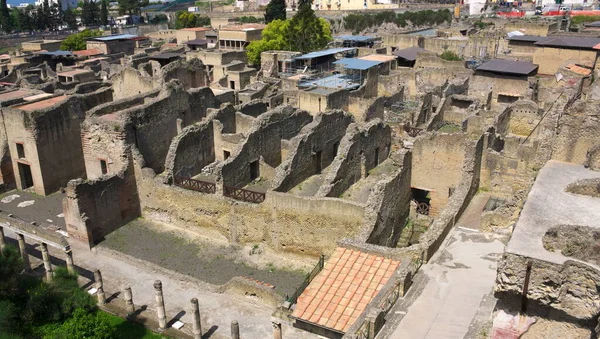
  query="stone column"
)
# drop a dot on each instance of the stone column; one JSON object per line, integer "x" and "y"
{"x": 235, "y": 330}
{"x": 179, "y": 123}
{"x": 46, "y": 259}
{"x": 160, "y": 306}
{"x": 129, "y": 306}
{"x": 2, "y": 241}
{"x": 276, "y": 329}
{"x": 196, "y": 325}
{"x": 69, "y": 261}
{"x": 23, "y": 250}
{"x": 100, "y": 287}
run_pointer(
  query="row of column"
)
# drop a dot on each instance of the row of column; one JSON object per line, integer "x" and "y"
{"x": 162, "y": 313}
{"x": 45, "y": 255}
{"x": 129, "y": 305}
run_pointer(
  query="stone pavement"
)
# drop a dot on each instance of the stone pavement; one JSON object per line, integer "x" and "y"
{"x": 217, "y": 310}
{"x": 450, "y": 288}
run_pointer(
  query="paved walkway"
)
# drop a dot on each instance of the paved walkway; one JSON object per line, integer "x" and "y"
{"x": 217, "y": 310}
{"x": 455, "y": 283}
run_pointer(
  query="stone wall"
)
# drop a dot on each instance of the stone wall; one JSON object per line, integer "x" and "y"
{"x": 312, "y": 150}
{"x": 263, "y": 141}
{"x": 567, "y": 292}
{"x": 389, "y": 203}
{"x": 190, "y": 151}
{"x": 577, "y": 132}
{"x": 438, "y": 161}
{"x": 356, "y": 156}
{"x": 483, "y": 82}
{"x": 94, "y": 208}
{"x": 283, "y": 221}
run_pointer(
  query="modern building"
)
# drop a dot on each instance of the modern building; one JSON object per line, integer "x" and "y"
{"x": 237, "y": 37}
{"x": 112, "y": 44}
{"x": 187, "y": 34}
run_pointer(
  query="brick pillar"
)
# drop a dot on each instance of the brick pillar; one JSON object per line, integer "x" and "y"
{"x": 196, "y": 324}
{"x": 235, "y": 330}
{"x": 129, "y": 306}
{"x": 46, "y": 259}
{"x": 160, "y": 305}
{"x": 23, "y": 250}
{"x": 99, "y": 287}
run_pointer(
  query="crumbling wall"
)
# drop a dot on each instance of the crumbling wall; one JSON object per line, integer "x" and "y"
{"x": 190, "y": 151}
{"x": 252, "y": 108}
{"x": 437, "y": 161}
{"x": 200, "y": 99}
{"x": 319, "y": 139}
{"x": 129, "y": 82}
{"x": 103, "y": 141}
{"x": 283, "y": 221}
{"x": 577, "y": 132}
{"x": 592, "y": 159}
{"x": 388, "y": 205}
{"x": 356, "y": 156}
{"x": 191, "y": 74}
{"x": 484, "y": 82}
{"x": 368, "y": 109}
{"x": 94, "y": 208}
{"x": 263, "y": 141}
{"x": 567, "y": 292}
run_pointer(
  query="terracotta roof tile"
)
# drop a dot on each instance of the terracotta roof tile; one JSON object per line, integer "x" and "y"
{"x": 343, "y": 289}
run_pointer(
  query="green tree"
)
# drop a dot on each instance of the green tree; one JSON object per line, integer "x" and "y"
{"x": 5, "y": 19}
{"x": 70, "y": 18}
{"x": 273, "y": 38}
{"x": 306, "y": 32}
{"x": 275, "y": 11}
{"x": 11, "y": 265}
{"x": 76, "y": 42}
{"x": 104, "y": 13}
{"x": 129, "y": 7}
{"x": 184, "y": 19}
{"x": 90, "y": 13}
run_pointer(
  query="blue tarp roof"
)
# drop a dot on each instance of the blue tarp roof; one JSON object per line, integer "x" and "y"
{"x": 355, "y": 38}
{"x": 357, "y": 63}
{"x": 57, "y": 53}
{"x": 317, "y": 54}
{"x": 115, "y": 37}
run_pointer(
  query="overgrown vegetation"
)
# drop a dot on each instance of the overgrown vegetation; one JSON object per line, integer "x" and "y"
{"x": 450, "y": 56}
{"x": 184, "y": 19}
{"x": 76, "y": 42}
{"x": 359, "y": 22}
{"x": 33, "y": 309}
{"x": 249, "y": 20}
{"x": 303, "y": 33}
{"x": 580, "y": 19}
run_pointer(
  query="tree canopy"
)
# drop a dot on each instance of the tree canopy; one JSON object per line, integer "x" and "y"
{"x": 275, "y": 11}
{"x": 303, "y": 33}
{"x": 76, "y": 42}
{"x": 184, "y": 19}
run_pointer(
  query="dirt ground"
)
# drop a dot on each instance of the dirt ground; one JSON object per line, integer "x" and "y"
{"x": 203, "y": 258}
{"x": 545, "y": 329}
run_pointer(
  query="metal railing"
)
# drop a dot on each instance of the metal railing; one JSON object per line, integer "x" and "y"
{"x": 309, "y": 277}
{"x": 243, "y": 194}
{"x": 195, "y": 185}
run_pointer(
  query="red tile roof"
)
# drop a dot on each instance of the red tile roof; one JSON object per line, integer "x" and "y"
{"x": 579, "y": 70}
{"x": 42, "y": 104}
{"x": 88, "y": 52}
{"x": 342, "y": 290}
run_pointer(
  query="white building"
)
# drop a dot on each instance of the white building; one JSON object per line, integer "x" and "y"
{"x": 63, "y": 3}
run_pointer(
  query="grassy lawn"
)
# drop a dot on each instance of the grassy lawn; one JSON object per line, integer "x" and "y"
{"x": 130, "y": 330}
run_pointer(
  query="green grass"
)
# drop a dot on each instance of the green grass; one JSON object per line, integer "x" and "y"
{"x": 130, "y": 330}
{"x": 449, "y": 128}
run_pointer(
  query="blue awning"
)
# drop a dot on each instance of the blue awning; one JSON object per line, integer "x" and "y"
{"x": 57, "y": 53}
{"x": 116, "y": 37}
{"x": 358, "y": 38}
{"x": 331, "y": 51}
{"x": 359, "y": 64}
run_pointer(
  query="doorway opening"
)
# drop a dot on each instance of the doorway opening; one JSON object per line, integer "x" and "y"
{"x": 26, "y": 177}
{"x": 423, "y": 200}
{"x": 232, "y": 84}
{"x": 226, "y": 154}
{"x": 254, "y": 170}
{"x": 317, "y": 160}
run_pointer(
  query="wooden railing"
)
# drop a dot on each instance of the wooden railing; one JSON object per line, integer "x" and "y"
{"x": 243, "y": 194}
{"x": 412, "y": 131}
{"x": 196, "y": 185}
{"x": 309, "y": 277}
